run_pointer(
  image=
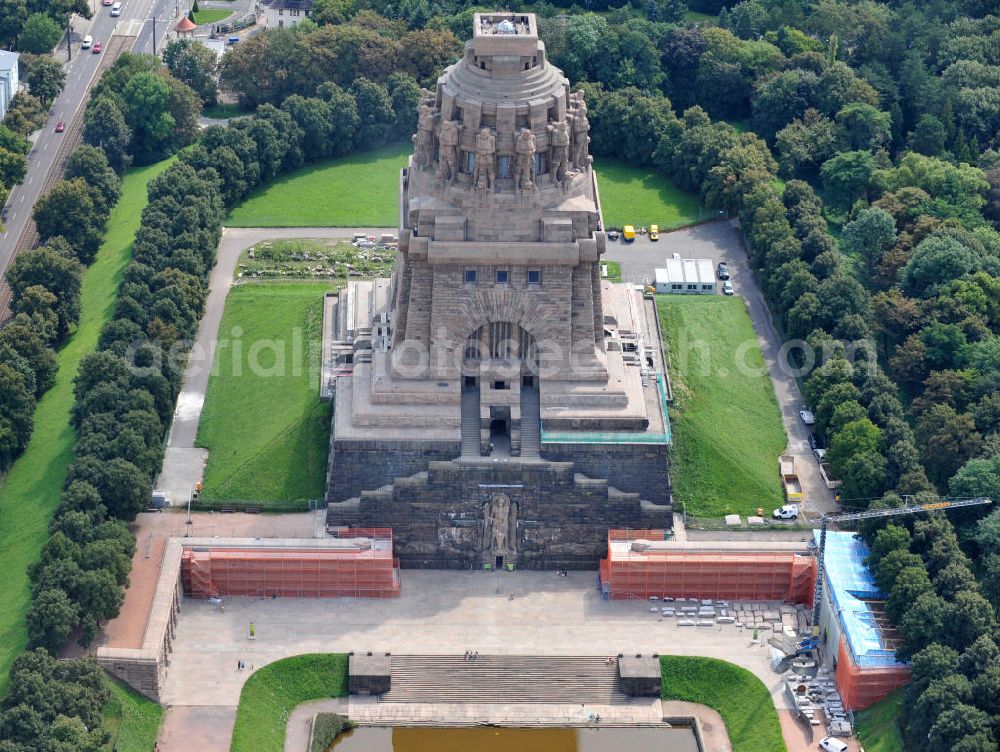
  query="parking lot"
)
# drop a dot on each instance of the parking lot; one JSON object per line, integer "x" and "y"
{"x": 720, "y": 241}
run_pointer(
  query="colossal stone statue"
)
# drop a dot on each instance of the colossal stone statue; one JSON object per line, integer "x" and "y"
{"x": 524, "y": 147}
{"x": 559, "y": 148}
{"x": 496, "y": 526}
{"x": 581, "y": 128}
{"x": 448, "y": 157}
{"x": 485, "y": 170}
{"x": 423, "y": 139}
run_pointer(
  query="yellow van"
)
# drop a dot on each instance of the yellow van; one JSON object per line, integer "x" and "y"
{"x": 628, "y": 233}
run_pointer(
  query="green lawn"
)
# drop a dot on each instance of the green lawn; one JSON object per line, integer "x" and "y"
{"x": 274, "y": 691}
{"x": 726, "y": 423}
{"x": 878, "y": 726}
{"x": 740, "y": 698}
{"x": 132, "y": 720}
{"x": 31, "y": 489}
{"x": 614, "y": 270}
{"x": 356, "y": 191}
{"x": 636, "y": 196}
{"x": 278, "y": 450}
{"x": 211, "y": 16}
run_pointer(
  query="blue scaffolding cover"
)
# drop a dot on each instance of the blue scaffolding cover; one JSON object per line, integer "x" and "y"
{"x": 848, "y": 581}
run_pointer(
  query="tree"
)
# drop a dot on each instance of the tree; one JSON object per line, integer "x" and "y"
{"x": 46, "y": 78}
{"x": 958, "y": 722}
{"x": 147, "y": 113}
{"x": 61, "y": 276}
{"x": 781, "y": 99}
{"x": 375, "y": 112}
{"x": 91, "y": 164}
{"x": 123, "y": 487}
{"x": 104, "y": 126}
{"x": 13, "y": 167}
{"x": 949, "y": 440}
{"x": 69, "y": 210}
{"x": 805, "y": 143}
{"x": 39, "y": 35}
{"x": 928, "y": 137}
{"x": 858, "y": 437}
{"x": 195, "y": 65}
{"x": 21, "y": 338}
{"x": 869, "y": 235}
{"x": 936, "y": 261}
{"x": 847, "y": 175}
{"x": 17, "y": 411}
{"x": 861, "y": 126}
{"x": 51, "y": 619}
{"x": 933, "y": 662}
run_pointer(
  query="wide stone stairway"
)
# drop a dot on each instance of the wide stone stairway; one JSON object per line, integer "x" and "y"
{"x": 470, "y": 423}
{"x": 504, "y": 679}
{"x": 531, "y": 438}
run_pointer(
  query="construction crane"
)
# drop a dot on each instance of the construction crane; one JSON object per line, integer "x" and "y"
{"x": 870, "y": 514}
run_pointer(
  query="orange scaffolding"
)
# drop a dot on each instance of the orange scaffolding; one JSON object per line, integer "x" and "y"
{"x": 366, "y": 571}
{"x": 635, "y": 571}
{"x": 861, "y": 687}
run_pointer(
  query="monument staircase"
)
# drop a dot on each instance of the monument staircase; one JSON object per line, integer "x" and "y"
{"x": 504, "y": 679}
{"x": 531, "y": 429}
{"x": 470, "y": 423}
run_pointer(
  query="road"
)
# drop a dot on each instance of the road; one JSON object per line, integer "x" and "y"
{"x": 720, "y": 241}
{"x": 81, "y": 72}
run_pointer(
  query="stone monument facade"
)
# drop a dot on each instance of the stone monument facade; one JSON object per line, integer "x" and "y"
{"x": 497, "y": 401}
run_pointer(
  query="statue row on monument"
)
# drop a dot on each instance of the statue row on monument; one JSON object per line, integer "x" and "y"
{"x": 568, "y": 145}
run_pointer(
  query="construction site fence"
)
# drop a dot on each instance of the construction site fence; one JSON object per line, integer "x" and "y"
{"x": 862, "y": 687}
{"x": 626, "y": 573}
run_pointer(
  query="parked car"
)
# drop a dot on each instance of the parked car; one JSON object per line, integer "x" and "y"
{"x": 60, "y": 126}
{"x": 628, "y": 233}
{"x": 807, "y": 417}
{"x": 832, "y": 745}
{"x": 97, "y": 48}
{"x": 727, "y": 288}
{"x": 613, "y": 235}
{"x": 819, "y": 454}
{"x": 723, "y": 271}
{"x": 786, "y": 512}
{"x": 654, "y": 232}
{"x": 233, "y": 40}
{"x": 116, "y": 9}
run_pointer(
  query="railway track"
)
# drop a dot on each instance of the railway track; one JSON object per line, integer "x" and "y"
{"x": 72, "y": 138}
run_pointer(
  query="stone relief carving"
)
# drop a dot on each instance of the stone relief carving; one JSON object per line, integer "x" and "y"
{"x": 484, "y": 174}
{"x": 524, "y": 172}
{"x": 497, "y": 524}
{"x": 448, "y": 157}
{"x": 423, "y": 139}
{"x": 580, "y": 130}
{"x": 559, "y": 149}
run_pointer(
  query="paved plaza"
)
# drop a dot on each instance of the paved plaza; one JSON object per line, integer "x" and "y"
{"x": 439, "y": 612}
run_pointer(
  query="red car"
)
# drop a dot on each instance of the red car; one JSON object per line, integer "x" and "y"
{"x": 107, "y": 2}
{"x": 97, "y": 48}
{"x": 60, "y": 126}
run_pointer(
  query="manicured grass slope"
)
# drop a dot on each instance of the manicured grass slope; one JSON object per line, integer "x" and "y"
{"x": 740, "y": 698}
{"x": 211, "y": 16}
{"x": 636, "y": 196}
{"x": 273, "y": 692}
{"x": 878, "y": 726}
{"x": 31, "y": 489}
{"x": 356, "y": 191}
{"x": 726, "y": 424}
{"x": 132, "y": 720}
{"x": 277, "y": 449}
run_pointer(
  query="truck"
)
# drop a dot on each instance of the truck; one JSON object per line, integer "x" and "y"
{"x": 628, "y": 233}
{"x": 789, "y": 479}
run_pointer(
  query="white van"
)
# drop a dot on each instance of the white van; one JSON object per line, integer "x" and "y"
{"x": 87, "y": 42}
{"x": 116, "y": 9}
{"x": 829, "y": 744}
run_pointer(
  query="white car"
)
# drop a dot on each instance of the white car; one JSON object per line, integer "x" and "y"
{"x": 727, "y": 288}
{"x": 832, "y": 745}
{"x": 807, "y": 417}
{"x": 787, "y": 512}
{"x": 819, "y": 454}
